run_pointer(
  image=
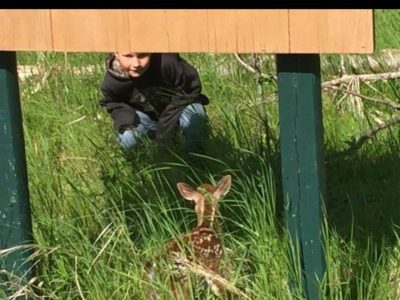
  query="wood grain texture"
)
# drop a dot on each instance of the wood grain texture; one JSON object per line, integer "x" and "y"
{"x": 331, "y": 31}
{"x": 90, "y": 30}
{"x": 188, "y": 30}
{"x": 24, "y": 29}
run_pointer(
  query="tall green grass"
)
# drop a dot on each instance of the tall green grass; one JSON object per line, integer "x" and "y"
{"x": 99, "y": 214}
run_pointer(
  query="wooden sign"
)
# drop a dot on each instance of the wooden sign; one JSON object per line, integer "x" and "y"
{"x": 188, "y": 30}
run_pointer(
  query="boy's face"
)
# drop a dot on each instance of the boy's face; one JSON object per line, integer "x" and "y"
{"x": 135, "y": 64}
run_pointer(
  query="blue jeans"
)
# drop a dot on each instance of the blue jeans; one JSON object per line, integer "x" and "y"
{"x": 192, "y": 122}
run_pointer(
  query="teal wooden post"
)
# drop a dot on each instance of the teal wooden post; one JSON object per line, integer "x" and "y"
{"x": 15, "y": 215}
{"x": 301, "y": 134}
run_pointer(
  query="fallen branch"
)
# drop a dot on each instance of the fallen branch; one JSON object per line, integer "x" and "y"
{"x": 356, "y": 143}
{"x": 362, "y": 77}
{"x": 200, "y": 270}
{"x": 243, "y": 64}
{"x": 252, "y": 70}
{"x": 380, "y": 101}
{"x": 26, "y": 71}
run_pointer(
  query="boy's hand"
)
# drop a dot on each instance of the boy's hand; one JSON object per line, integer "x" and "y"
{"x": 127, "y": 138}
{"x": 123, "y": 128}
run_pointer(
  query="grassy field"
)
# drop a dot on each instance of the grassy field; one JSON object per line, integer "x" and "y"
{"x": 98, "y": 214}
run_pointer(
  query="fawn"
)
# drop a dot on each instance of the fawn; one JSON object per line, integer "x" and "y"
{"x": 201, "y": 246}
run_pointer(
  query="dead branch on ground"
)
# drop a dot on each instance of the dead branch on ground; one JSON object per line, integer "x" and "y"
{"x": 356, "y": 143}
{"x": 334, "y": 85}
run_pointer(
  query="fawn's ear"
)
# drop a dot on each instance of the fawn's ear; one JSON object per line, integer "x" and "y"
{"x": 223, "y": 187}
{"x": 187, "y": 192}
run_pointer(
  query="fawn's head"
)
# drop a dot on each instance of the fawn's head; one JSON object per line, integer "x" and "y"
{"x": 206, "y": 198}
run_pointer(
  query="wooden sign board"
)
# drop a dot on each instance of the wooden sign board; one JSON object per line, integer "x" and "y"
{"x": 188, "y": 30}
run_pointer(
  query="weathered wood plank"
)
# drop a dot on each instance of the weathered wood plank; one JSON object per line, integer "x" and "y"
{"x": 188, "y": 30}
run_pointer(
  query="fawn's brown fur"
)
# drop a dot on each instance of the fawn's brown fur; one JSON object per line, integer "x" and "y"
{"x": 202, "y": 245}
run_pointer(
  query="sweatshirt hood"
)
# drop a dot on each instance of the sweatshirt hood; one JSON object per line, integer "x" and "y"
{"x": 114, "y": 67}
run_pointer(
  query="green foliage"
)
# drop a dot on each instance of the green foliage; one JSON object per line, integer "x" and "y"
{"x": 100, "y": 213}
{"x": 386, "y": 28}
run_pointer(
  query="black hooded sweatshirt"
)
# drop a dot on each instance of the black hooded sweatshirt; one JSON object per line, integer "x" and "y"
{"x": 162, "y": 92}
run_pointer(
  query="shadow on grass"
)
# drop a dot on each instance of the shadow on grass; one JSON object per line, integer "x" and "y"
{"x": 363, "y": 206}
{"x": 363, "y": 196}
{"x": 362, "y": 201}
